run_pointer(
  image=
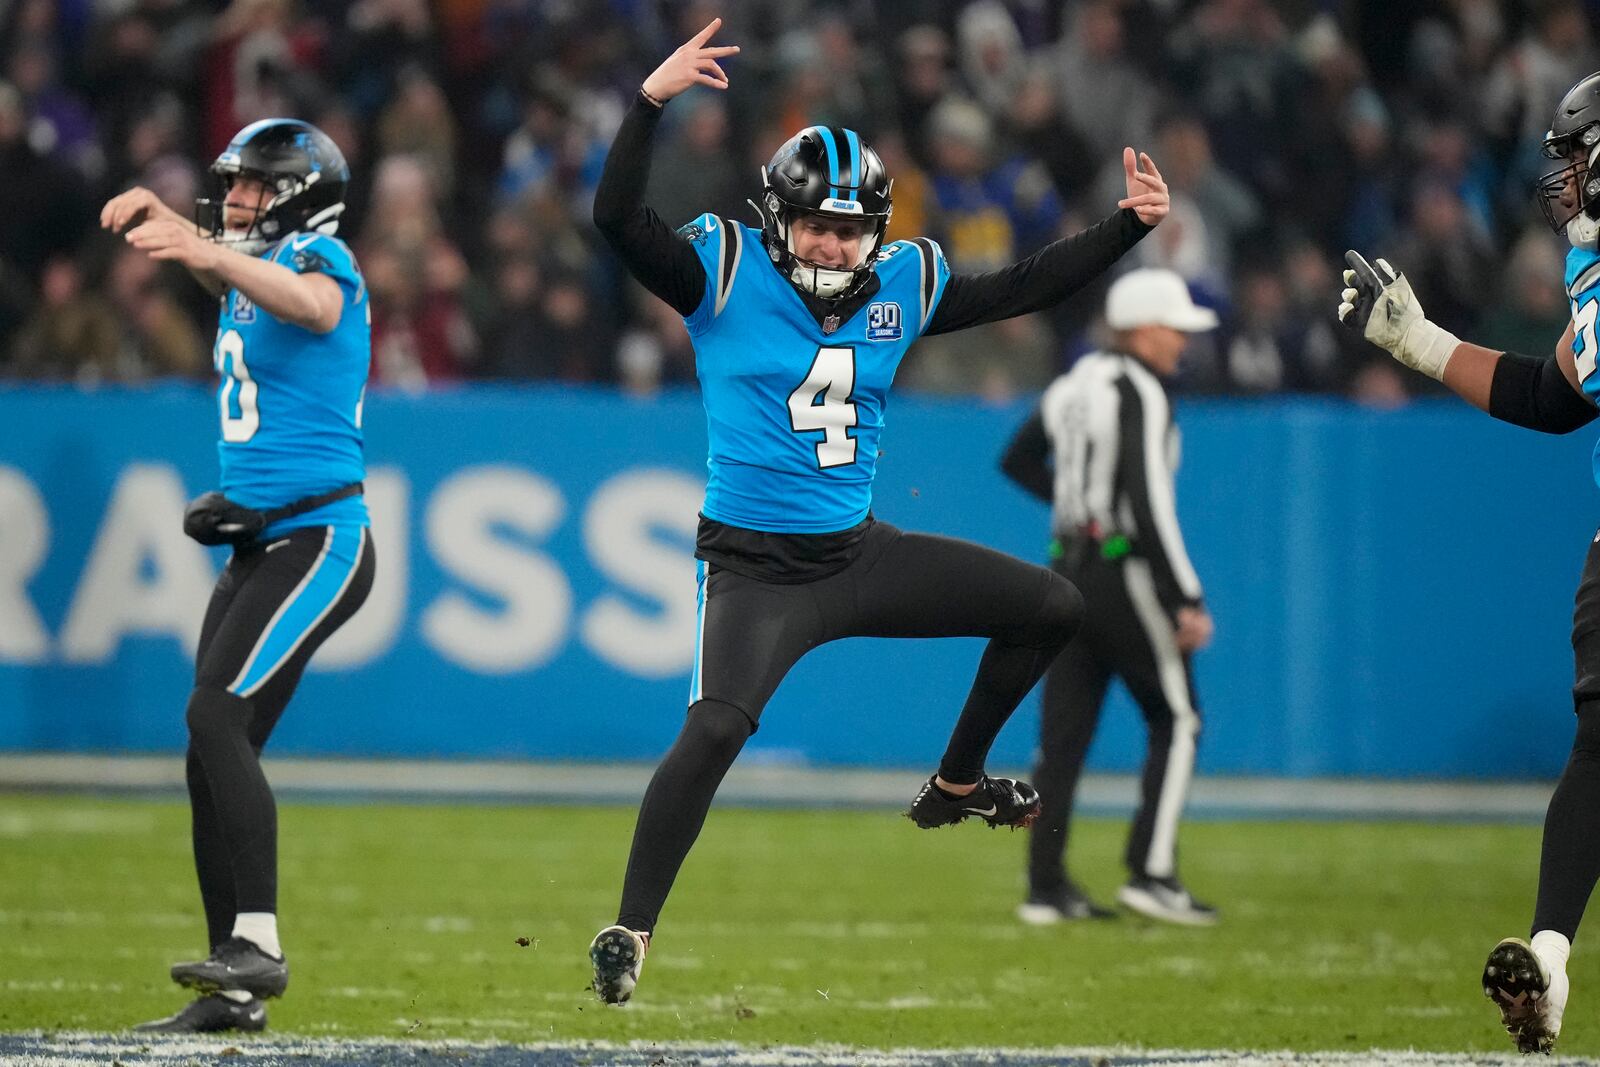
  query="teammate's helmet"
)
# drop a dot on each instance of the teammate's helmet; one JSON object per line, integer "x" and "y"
{"x": 302, "y": 167}
{"x": 1574, "y": 138}
{"x": 829, "y": 171}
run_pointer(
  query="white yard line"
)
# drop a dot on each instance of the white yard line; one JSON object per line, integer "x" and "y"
{"x": 80, "y": 1050}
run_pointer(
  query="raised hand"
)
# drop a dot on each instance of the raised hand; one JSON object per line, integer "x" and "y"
{"x": 135, "y": 205}
{"x": 694, "y": 63}
{"x": 174, "y": 239}
{"x": 1147, "y": 192}
{"x": 1378, "y": 303}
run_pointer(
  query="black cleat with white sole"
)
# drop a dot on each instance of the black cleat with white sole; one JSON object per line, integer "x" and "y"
{"x": 211, "y": 1014}
{"x": 235, "y": 964}
{"x": 1063, "y": 903}
{"x": 618, "y": 956}
{"x": 1520, "y": 987}
{"x": 997, "y": 801}
{"x": 1165, "y": 900}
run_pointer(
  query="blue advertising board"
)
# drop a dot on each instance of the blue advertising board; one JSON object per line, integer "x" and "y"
{"x": 1392, "y": 590}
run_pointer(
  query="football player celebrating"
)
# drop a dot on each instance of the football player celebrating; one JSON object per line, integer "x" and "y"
{"x": 293, "y": 346}
{"x": 1527, "y": 980}
{"x": 798, "y": 327}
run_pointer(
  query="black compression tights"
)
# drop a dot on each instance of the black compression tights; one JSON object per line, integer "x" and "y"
{"x": 1569, "y": 861}
{"x": 675, "y": 807}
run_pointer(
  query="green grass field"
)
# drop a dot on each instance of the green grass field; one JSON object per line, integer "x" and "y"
{"x": 787, "y": 927}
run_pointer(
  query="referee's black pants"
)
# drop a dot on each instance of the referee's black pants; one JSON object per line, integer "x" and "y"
{"x": 1126, "y": 634}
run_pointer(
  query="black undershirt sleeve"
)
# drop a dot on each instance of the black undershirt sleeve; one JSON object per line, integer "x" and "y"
{"x": 652, "y": 251}
{"x": 1534, "y": 393}
{"x": 1043, "y": 280}
{"x": 1026, "y": 459}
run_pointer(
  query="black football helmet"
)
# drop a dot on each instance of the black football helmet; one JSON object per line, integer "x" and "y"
{"x": 300, "y": 164}
{"x": 829, "y": 171}
{"x": 1574, "y": 138}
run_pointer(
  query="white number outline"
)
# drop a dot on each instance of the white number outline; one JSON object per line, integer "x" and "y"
{"x": 1583, "y": 320}
{"x": 833, "y": 376}
{"x": 236, "y": 379}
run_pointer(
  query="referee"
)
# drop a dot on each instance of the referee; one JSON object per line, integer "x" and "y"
{"x": 1108, "y": 428}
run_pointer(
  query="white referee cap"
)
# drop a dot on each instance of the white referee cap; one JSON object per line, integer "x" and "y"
{"x": 1154, "y": 297}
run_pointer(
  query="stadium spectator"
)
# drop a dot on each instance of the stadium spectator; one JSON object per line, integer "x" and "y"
{"x": 1280, "y": 124}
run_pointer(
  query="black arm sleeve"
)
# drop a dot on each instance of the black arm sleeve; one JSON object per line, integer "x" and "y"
{"x": 653, "y": 253}
{"x": 1043, "y": 280}
{"x": 1532, "y": 392}
{"x": 1026, "y": 458}
{"x": 1136, "y": 461}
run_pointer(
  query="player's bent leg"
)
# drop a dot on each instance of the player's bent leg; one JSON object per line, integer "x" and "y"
{"x": 213, "y": 1013}
{"x": 1530, "y": 993}
{"x": 220, "y": 724}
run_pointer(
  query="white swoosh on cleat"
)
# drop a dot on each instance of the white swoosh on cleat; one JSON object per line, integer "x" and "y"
{"x": 980, "y": 811}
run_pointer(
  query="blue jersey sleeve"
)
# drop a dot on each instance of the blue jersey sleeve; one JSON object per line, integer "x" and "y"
{"x": 317, "y": 253}
{"x": 921, "y": 261}
{"x": 1583, "y": 293}
{"x": 709, "y": 236}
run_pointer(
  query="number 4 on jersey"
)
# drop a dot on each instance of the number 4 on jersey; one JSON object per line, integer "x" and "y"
{"x": 833, "y": 379}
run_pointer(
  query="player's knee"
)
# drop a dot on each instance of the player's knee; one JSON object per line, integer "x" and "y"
{"x": 718, "y": 727}
{"x": 216, "y": 714}
{"x": 1059, "y": 615}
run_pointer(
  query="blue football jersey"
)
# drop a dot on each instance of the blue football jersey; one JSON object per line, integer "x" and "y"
{"x": 291, "y": 399}
{"x": 794, "y": 411}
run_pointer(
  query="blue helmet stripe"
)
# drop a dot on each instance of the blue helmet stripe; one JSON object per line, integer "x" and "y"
{"x": 833, "y": 161}
{"x": 856, "y": 178}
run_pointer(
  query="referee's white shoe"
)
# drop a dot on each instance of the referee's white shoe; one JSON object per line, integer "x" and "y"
{"x": 1165, "y": 900}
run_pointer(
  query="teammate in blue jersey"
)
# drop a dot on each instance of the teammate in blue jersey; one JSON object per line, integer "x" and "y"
{"x": 1527, "y": 980}
{"x": 293, "y": 347}
{"x": 798, "y": 327}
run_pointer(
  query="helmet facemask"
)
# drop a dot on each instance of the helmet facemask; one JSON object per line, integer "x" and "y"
{"x": 822, "y": 281}
{"x": 1570, "y": 197}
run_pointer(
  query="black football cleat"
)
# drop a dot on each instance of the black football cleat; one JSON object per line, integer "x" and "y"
{"x": 235, "y": 964}
{"x": 211, "y": 1014}
{"x": 997, "y": 801}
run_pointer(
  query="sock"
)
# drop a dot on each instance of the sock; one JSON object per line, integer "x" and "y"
{"x": 260, "y": 928}
{"x": 1552, "y": 948}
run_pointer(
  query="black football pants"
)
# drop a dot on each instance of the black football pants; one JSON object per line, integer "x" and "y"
{"x": 752, "y": 632}
{"x": 274, "y": 605}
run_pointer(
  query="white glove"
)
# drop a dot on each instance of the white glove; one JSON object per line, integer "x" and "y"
{"x": 1378, "y": 301}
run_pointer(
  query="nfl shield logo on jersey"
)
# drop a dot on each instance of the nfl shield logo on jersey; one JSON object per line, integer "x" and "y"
{"x": 883, "y": 321}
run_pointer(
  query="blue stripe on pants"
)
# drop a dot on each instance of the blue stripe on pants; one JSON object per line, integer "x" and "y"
{"x": 307, "y": 606}
{"x": 699, "y": 628}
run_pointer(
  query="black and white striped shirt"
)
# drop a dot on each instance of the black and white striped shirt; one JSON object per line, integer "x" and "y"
{"x": 1107, "y": 426}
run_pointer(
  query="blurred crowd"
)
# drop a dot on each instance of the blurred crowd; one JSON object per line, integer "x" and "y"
{"x": 476, "y": 131}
